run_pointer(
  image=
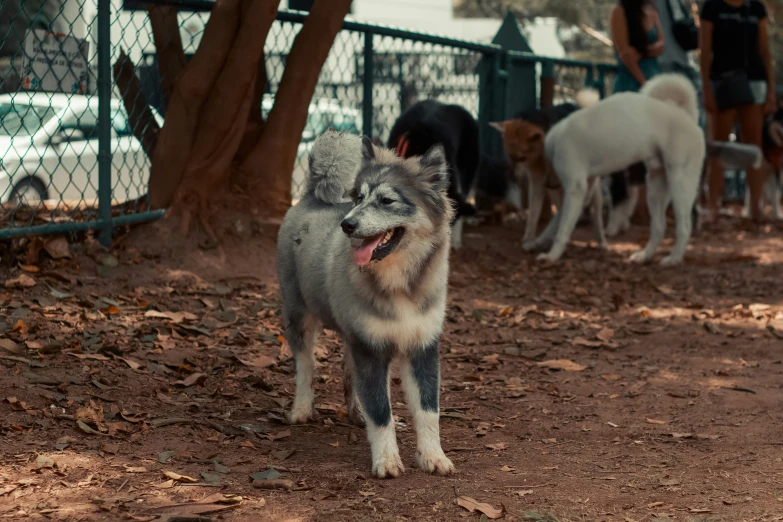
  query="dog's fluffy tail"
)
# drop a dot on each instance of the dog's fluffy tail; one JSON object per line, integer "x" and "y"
{"x": 334, "y": 162}
{"x": 735, "y": 156}
{"x": 675, "y": 89}
{"x": 587, "y": 97}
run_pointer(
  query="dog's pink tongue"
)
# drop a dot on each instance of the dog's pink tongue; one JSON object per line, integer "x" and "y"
{"x": 363, "y": 253}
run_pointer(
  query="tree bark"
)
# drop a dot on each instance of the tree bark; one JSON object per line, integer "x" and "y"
{"x": 182, "y": 114}
{"x": 140, "y": 117}
{"x": 168, "y": 46}
{"x": 221, "y": 126}
{"x": 275, "y": 153}
{"x": 255, "y": 117}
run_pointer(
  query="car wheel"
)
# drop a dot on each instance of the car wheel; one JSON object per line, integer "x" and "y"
{"x": 28, "y": 191}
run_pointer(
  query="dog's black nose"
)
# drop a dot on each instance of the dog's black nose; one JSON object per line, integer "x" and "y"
{"x": 349, "y": 225}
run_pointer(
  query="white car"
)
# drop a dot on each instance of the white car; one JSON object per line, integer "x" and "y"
{"x": 323, "y": 114}
{"x": 49, "y": 150}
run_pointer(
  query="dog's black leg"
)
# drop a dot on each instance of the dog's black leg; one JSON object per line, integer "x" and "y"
{"x": 371, "y": 364}
{"x": 421, "y": 381}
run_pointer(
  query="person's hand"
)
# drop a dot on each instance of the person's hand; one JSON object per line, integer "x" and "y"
{"x": 771, "y": 103}
{"x": 655, "y": 49}
{"x": 630, "y": 54}
{"x": 710, "y": 105}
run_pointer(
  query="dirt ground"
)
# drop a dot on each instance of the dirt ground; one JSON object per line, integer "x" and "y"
{"x": 133, "y": 388}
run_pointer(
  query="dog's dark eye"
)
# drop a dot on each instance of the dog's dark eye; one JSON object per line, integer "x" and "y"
{"x": 359, "y": 199}
{"x": 386, "y": 201}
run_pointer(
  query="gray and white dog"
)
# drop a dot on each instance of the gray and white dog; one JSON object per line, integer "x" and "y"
{"x": 373, "y": 268}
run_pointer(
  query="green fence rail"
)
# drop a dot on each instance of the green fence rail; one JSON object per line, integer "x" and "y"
{"x": 69, "y": 158}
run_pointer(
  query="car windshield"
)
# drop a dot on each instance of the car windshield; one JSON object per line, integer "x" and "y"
{"x": 23, "y": 120}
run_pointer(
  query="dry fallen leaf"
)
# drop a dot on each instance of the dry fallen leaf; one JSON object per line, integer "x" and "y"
{"x": 335, "y": 444}
{"x": 473, "y": 505}
{"x": 10, "y": 346}
{"x": 23, "y": 281}
{"x": 655, "y": 421}
{"x": 174, "y": 317}
{"x": 562, "y": 364}
{"x": 20, "y": 326}
{"x": 262, "y": 361}
{"x": 712, "y": 328}
{"x": 57, "y": 247}
{"x": 190, "y": 380}
{"x": 179, "y": 478}
{"x": 611, "y": 377}
{"x": 93, "y": 356}
{"x": 135, "y": 366}
{"x": 500, "y": 446}
{"x": 507, "y": 469}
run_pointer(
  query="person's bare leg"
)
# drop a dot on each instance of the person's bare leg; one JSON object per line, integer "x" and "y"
{"x": 721, "y": 124}
{"x": 751, "y": 120}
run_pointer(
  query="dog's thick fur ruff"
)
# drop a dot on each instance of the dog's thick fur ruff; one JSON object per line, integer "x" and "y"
{"x": 659, "y": 126}
{"x": 390, "y": 308}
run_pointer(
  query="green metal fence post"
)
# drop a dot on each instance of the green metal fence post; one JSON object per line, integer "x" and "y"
{"x": 590, "y": 77}
{"x": 367, "y": 106}
{"x": 601, "y": 82}
{"x": 104, "y": 121}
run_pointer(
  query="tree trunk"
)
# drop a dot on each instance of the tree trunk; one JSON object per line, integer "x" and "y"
{"x": 215, "y": 139}
{"x": 225, "y": 114}
{"x": 275, "y": 154}
{"x": 182, "y": 114}
{"x": 168, "y": 45}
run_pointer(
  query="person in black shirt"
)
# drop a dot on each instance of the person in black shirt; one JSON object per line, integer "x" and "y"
{"x": 733, "y": 37}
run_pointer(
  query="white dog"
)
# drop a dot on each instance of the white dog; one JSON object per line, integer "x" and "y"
{"x": 657, "y": 126}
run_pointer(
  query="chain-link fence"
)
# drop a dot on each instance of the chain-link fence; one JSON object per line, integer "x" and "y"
{"x": 72, "y": 160}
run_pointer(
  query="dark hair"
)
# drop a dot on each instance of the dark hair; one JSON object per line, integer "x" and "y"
{"x": 637, "y": 36}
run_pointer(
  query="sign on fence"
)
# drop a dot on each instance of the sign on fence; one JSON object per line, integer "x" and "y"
{"x": 54, "y": 62}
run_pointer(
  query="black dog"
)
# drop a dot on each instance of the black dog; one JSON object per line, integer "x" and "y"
{"x": 430, "y": 122}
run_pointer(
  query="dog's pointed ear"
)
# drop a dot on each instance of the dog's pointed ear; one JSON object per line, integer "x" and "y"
{"x": 434, "y": 167}
{"x": 368, "y": 150}
{"x": 500, "y": 126}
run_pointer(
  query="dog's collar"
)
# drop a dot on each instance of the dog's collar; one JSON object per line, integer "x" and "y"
{"x": 402, "y": 146}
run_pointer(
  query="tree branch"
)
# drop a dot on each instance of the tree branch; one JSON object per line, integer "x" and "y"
{"x": 225, "y": 115}
{"x": 191, "y": 91}
{"x": 277, "y": 148}
{"x": 140, "y": 117}
{"x": 168, "y": 45}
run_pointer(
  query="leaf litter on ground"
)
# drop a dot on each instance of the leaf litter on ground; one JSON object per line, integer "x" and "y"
{"x": 473, "y": 505}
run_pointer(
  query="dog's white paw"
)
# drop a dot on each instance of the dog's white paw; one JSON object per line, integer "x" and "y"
{"x": 300, "y": 414}
{"x": 388, "y": 466}
{"x": 547, "y": 257}
{"x": 640, "y": 257}
{"x": 612, "y": 229}
{"x": 671, "y": 260}
{"x": 528, "y": 246}
{"x": 434, "y": 462}
{"x": 603, "y": 245}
